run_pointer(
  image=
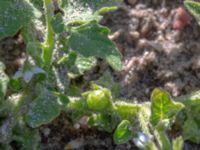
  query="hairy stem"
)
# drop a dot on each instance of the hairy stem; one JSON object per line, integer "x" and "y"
{"x": 164, "y": 140}
{"x": 49, "y": 42}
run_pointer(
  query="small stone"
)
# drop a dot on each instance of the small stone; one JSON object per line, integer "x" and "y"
{"x": 164, "y": 26}
{"x": 143, "y": 43}
{"x": 77, "y": 126}
{"x": 146, "y": 28}
{"x": 84, "y": 122}
{"x": 156, "y": 45}
{"x": 115, "y": 35}
{"x": 46, "y": 132}
{"x": 135, "y": 35}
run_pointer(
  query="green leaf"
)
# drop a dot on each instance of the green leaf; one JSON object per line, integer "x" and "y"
{"x": 102, "y": 122}
{"x": 191, "y": 130}
{"x": 178, "y": 143}
{"x": 123, "y": 133}
{"x": 77, "y": 108}
{"x": 84, "y": 10}
{"x": 74, "y": 90}
{"x": 15, "y": 84}
{"x": 126, "y": 110}
{"x": 192, "y": 104}
{"x": 44, "y": 109}
{"x": 189, "y": 99}
{"x": 37, "y": 3}
{"x": 63, "y": 99}
{"x": 3, "y": 81}
{"x": 34, "y": 49}
{"x": 105, "y": 10}
{"x": 106, "y": 80}
{"x": 92, "y": 40}
{"x": 57, "y": 23}
{"x": 194, "y": 8}
{"x": 68, "y": 59}
{"x": 27, "y": 138}
{"x": 81, "y": 65}
{"x": 5, "y": 147}
{"x": 85, "y": 63}
{"x": 162, "y": 107}
{"x": 77, "y": 103}
{"x": 14, "y": 14}
{"x": 77, "y": 64}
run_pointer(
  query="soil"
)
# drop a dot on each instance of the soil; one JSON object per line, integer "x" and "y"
{"x": 154, "y": 55}
{"x": 12, "y": 53}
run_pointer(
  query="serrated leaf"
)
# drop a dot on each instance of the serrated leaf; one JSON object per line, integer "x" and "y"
{"x": 92, "y": 40}
{"x": 44, "y": 109}
{"x": 163, "y": 108}
{"x": 194, "y": 8}
{"x": 123, "y": 133}
{"x": 14, "y": 14}
{"x": 4, "y": 79}
{"x": 84, "y": 10}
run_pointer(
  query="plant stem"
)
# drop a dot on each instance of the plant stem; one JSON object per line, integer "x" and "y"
{"x": 163, "y": 139}
{"x": 49, "y": 42}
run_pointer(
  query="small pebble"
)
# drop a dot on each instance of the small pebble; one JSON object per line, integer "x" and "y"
{"x": 46, "y": 132}
{"x": 76, "y": 126}
{"x": 115, "y": 35}
{"x": 135, "y": 35}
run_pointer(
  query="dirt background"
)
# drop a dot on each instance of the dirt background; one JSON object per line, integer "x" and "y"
{"x": 154, "y": 55}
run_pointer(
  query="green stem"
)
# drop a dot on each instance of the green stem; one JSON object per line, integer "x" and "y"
{"x": 164, "y": 140}
{"x": 49, "y": 42}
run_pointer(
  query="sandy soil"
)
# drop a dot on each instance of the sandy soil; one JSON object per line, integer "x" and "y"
{"x": 155, "y": 54}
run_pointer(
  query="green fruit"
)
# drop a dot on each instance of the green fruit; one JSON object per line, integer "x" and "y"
{"x": 99, "y": 100}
